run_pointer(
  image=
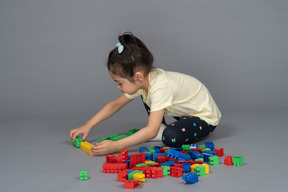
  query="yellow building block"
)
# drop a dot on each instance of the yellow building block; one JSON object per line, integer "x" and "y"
{"x": 85, "y": 146}
{"x": 193, "y": 166}
{"x": 139, "y": 177}
{"x": 148, "y": 161}
{"x": 206, "y": 168}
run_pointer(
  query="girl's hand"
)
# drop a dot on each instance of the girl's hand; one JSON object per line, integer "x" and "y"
{"x": 104, "y": 148}
{"x": 84, "y": 130}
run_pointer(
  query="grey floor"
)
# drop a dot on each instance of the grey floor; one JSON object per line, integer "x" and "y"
{"x": 36, "y": 155}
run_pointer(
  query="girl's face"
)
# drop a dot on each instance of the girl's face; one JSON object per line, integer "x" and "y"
{"x": 124, "y": 85}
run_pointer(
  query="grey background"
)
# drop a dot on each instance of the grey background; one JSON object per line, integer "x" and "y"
{"x": 53, "y": 78}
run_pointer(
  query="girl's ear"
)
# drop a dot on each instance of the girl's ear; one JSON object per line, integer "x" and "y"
{"x": 138, "y": 76}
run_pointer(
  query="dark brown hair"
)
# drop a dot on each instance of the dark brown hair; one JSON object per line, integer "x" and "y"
{"x": 135, "y": 56}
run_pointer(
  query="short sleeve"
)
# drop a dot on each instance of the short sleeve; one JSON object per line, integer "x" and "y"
{"x": 161, "y": 99}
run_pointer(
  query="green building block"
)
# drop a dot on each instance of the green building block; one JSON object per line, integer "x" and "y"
{"x": 201, "y": 147}
{"x": 238, "y": 161}
{"x": 110, "y": 137}
{"x": 166, "y": 170}
{"x": 186, "y": 148}
{"x": 118, "y": 137}
{"x": 200, "y": 170}
{"x": 131, "y": 132}
{"x": 141, "y": 165}
{"x": 206, "y": 149}
{"x": 213, "y": 160}
{"x": 152, "y": 151}
{"x": 131, "y": 175}
{"x": 83, "y": 174}
{"x": 200, "y": 159}
{"x": 77, "y": 141}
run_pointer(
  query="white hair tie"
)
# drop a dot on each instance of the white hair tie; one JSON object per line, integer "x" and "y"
{"x": 120, "y": 47}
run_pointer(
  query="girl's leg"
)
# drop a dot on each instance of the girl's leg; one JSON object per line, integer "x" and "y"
{"x": 186, "y": 130}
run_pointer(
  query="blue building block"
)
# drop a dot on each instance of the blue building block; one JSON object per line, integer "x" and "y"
{"x": 206, "y": 157}
{"x": 195, "y": 155}
{"x": 176, "y": 155}
{"x": 149, "y": 156}
{"x": 190, "y": 177}
{"x": 193, "y": 146}
{"x": 168, "y": 163}
{"x": 214, "y": 153}
{"x": 209, "y": 145}
{"x": 157, "y": 150}
{"x": 143, "y": 149}
{"x": 186, "y": 167}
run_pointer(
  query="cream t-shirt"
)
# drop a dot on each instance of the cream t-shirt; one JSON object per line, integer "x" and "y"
{"x": 179, "y": 95}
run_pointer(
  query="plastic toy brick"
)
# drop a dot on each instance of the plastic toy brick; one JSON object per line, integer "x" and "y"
{"x": 211, "y": 152}
{"x": 209, "y": 145}
{"x": 139, "y": 177}
{"x": 123, "y": 156}
{"x": 141, "y": 165}
{"x": 136, "y": 159}
{"x": 131, "y": 132}
{"x": 176, "y": 171}
{"x": 131, "y": 184}
{"x": 118, "y": 137}
{"x": 200, "y": 159}
{"x": 111, "y": 159}
{"x": 122, "y": 175}
{"x": 201, "y": 146}
{"x": 198, "y": 149}
{"x": 83, "y": 175}
{"x": 114, "y": 167}
{"x": 77, "y": 142}
{"x": 206, "y": 149}
{"x": 151, "y": 150}
{"x": 186, "y": 167}
{"x": 156, "y": 155}
{"x": 151, "y": 172}
{"x": 200, "y": 170}
{"x": 190, "y": 162}
{"x": 193, "y": 167}
{"x": 176, "y": 154}
{"x": 166, "y": 170}
{"x": 85, "y": 146}
{"x": 156, "y": 149}
{"x": 206, "y": 157}
{"x": 154, "y": 164}
{"x": 219, "y": 151}
{"x": 177, "y": 165}
{"x": 162, "y": 159}
{"x": 143, "y": 149}
{"x": 172, "y": 159}
{"x": 108, "y": 137}
{"x": 228, "y": 160}
{"x": 168, "y": 163}
{"x": 190, "y": 178}
{"x": 238, "y": 161}
{"x": 214, "y": 160}
{"x": 163, "y": 149}
{"x": 193, "y": 146}
{"x": 195, "y": 155}
{"x": 149, "y": 156}
{"x": 132, "y": 173}
{"x": 206, "y": 168}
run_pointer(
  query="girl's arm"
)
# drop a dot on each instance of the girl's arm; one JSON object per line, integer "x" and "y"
{"x": 107, "y": 111}
{"x": 144, "y": 134}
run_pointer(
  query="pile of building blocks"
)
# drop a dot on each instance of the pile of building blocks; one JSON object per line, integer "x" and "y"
{"x": 188, "y": 162}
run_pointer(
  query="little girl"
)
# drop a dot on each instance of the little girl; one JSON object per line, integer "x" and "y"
{"x": 178, "y": 95}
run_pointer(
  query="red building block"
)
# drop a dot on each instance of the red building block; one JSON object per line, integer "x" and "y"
{"x": 123, "y": 156}
{"x": 136, "y": 159}
{"x": 198, "y": 149}
{"x": 155, "y": 165}
{"x": 176, "y": 171}
{"x": 151, "y": 172}
{"x": 190, "y": 162}
{"x": 228, "y": 160}
{"x": 111, "y": 159}
{"x": 114, "y": 167}
{"x": 162, "y": 159}
{"x": 122, "y": 175}
{"x": 219, "y": 151}
{"x": 131, "y": 184}
{"x": 172, "y": 159}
